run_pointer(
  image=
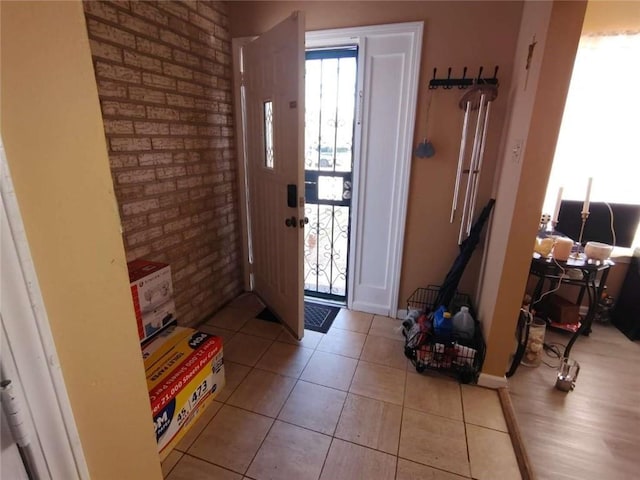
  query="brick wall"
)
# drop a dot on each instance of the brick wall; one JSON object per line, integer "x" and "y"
{"x": 163, "y": 71}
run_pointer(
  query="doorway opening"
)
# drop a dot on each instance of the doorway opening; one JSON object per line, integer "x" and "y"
{"x": 330, "y": 101}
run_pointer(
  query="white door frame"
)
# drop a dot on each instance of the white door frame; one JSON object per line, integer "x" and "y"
{"x": 346, "y": 37}
{"x": 29, "y": 356}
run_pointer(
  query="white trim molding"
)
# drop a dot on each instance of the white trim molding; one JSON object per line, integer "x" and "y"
{"x": 31, "y": 357}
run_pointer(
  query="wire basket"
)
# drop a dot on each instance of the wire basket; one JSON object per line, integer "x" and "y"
{"x": 453, "y": 354}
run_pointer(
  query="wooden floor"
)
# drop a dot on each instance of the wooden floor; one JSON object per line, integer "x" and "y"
{"x": 594, "y": 431}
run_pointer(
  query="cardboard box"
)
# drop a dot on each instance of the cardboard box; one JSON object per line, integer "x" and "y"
{"x": 562, "y": 310}
{"x": 185, "y": 372}
{"x": 152, "y": 292}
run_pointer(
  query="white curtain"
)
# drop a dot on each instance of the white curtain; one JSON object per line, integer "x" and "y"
{"x": 600, "y": 132}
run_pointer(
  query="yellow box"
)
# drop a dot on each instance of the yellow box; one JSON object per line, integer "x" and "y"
{"x": 185, "y": 372}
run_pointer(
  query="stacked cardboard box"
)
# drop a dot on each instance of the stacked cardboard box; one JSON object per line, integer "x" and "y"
{"x": 184, "y": 367}
{"x": 152, "y": 292}
{"x": 185, "y": 372}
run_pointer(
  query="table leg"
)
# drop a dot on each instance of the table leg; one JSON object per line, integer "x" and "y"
{"x": 537, "y": 292}
{"x": 585, "y": 327}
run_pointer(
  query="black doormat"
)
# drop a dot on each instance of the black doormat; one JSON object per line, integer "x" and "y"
{"x": 319, "y": 317}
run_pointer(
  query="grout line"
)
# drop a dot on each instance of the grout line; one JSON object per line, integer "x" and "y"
{"x": 324, "y": 462}
{"x": 201, "y": 431}
{"x": 182, "y": 454}
{"x": 437, "y": 468}
{"x": 404, "y": 397}
{"x": 211, "y": 463}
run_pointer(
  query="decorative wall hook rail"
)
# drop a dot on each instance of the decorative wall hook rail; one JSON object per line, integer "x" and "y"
{"x": 464, "y": 82}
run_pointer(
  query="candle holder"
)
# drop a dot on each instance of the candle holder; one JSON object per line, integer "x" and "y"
{"x": 578, "y": 253}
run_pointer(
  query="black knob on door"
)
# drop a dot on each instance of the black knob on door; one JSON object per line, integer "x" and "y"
{"x": 303, "y": 222}
{"x": 290, "y": 222}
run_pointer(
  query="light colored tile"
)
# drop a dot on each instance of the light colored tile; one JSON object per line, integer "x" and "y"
{"x": 262, "y": 328}
{"x": 384, "y": 351}
{"x": 386, "y": 327}
{"x": 435, "y": 395}
{"x": 436, "y": 441}
{"x": 371, "y": 423}
{"x": 246, "y": 349}
{"x": 379, "y": 382}
{"x": 196, "y": 428}
{"x": 232, "y": 438}
{"x": 314, "y": 407}
{"x": 262, "y": 392}
{"x": 223, "y": 333}
{"x": 414, "y": 471}
{"x": 234, "y": 374}
{"x": 491, "y": 454}
{"x": 330, "y": 370}
{"x": 190, "y": 468}
{"x": 343, "y": 342}
{"x": 352, "y": 320}
{"x": 285, "y": 359}
{"x": 290, "y": 452}
{"x": 229, "y": 318}
{"x": 310, "y": 339}
{"x": 482, "y": 407}
{"x": 170, "y": 462}
{"x": 347, "y": 461}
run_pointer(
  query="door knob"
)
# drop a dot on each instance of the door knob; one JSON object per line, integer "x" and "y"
{"x": 303, "y": 222}
{"x": 290, "y": 222}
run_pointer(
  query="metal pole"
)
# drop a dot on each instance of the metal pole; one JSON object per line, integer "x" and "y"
{"x": 476, "y": 183}
{"x": 463, "y": 144}
{"x": 472, "y": 162}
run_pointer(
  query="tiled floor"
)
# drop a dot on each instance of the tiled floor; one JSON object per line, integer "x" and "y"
{"x": 341, "y": 406}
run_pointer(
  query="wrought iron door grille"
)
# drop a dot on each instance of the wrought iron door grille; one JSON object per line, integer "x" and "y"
{"x": 329, "y": 122}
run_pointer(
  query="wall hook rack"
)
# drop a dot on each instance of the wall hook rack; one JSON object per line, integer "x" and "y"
{"x": 463, "y": 82}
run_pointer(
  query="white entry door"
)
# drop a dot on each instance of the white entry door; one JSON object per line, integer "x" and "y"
{"x": 273, "y": 115}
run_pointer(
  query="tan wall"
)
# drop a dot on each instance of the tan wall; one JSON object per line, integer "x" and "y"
{"x": 164, "y": 81}
{"x": 456, "y": 34}
{"x": 54, "y": 139}
{"x": 557, "y": 56}
{"x": 612, "y": 16}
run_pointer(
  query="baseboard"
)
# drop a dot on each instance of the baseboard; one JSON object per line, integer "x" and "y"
{"x": 369, "y": 308}
{"x": 492, "y": 381}
{"x": 526, "y": 469}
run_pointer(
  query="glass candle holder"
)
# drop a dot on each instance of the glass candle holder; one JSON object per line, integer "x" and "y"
{"x": 535, "y": 343}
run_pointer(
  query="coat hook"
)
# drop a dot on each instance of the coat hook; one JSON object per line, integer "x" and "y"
{"x": 431, "y": 85}
{"x": 464, "y": 77}
{"x": 495, "y": 73}
{"x": 480, "y": 74}
{"x": 448, "y": 86}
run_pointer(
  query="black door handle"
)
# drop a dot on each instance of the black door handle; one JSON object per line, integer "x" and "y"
{"x": 290, "y": 222}
{"x": 303, "y": 222}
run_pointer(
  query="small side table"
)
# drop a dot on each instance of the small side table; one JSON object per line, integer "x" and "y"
{"x": 594, "y": 277}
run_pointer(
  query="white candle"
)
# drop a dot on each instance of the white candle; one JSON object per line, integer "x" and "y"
{"x": 585, "y": 205}
{"x": 556, "y": 211}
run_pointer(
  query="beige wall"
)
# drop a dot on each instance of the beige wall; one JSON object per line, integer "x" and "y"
{"x": 456, "y": 34}
{"x": 519, "y": 189}
{"x": 612, "y": 16}
{"x": 54, "y": 139}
